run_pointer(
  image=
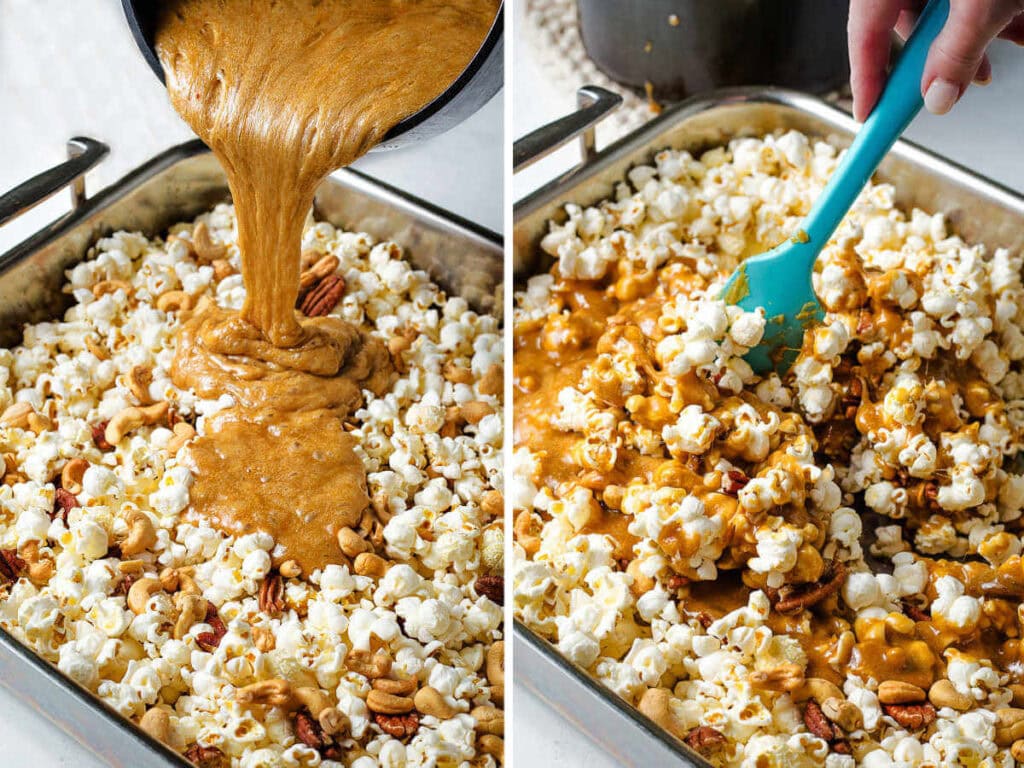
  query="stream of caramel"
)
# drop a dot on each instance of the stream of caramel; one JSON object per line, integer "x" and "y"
{"x": 284, "y": 93}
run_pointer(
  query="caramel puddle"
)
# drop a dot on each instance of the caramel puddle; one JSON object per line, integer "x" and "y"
{"x": 284, "y": 93}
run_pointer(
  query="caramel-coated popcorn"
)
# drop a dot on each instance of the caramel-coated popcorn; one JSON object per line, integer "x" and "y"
{"x": 822, "y": 568}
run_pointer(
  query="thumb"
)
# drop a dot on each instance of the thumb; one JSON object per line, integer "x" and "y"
{"x": 957, "y": 52}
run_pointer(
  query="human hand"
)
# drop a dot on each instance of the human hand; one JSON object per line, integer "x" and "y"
{"x": 956, "y": 59}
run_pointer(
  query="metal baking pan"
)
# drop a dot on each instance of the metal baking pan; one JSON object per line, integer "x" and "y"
{"x": 978, "y": 209}
{"x": 178, "y": 184}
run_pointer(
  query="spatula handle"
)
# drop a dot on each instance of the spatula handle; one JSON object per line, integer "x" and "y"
{"x": 899, "y": 103}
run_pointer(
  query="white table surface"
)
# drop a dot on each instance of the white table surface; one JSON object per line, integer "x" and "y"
{"x": 71, "y": 68}
{"x": 982, "y": 133}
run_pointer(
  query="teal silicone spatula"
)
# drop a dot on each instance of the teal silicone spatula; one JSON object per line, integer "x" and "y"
{"x": 780, "y": 280}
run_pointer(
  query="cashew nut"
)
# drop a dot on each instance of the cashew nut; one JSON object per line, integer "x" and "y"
{"x": 395, "y": 687}
{"x": 369, "y": 564}
{"x": 313, "y": 699}
{"x": 157, "y": 723}
{"x": 192, "y": 610}
{"x": 845, "y": 714}
{"x": 496, "y": 663}
{"x": 351, "y": 543}
{"x": 103, "y": 287}
{"x": 493, "y": 381}
{"x": 784, "y": 678}
{"x": 12, "y": 475}
{"x": 492, "y": 503}
{"x": 944, "y": 694}
{"x": 39, "y": 423}
{"x": 367, "y": 664}
{"x": 132, "y": 418}
{"x": 268, "y": 693}
{"x": 139, "y": 379}
{"x": 489, "y": 720}
{"x": 140, "y": 592}
{"x": 71, "y": 475}
{"x": 898, "y": 692}
{"x": 206, "y": 250}
{"x": 656, "y": 703}
{"x": 489, "y": 744}
{"x": 324, "y": 266}
{"x": 221, "y": 268}
{"x": 16, "y": 415}
{"x": 429, "y": 701}
{"x": 474, "y": 412}
{"x": 333, "y": 721}
{"x": 141, "y": 533}
{"x": 183, "y": 432}
{"x": 819, "y": 689}
{"x": 40, "y": 567}
{"x": 457, "y": 374}
{"x": 387, "y": 703}
{"x": 1017, "y": 751}
{"x": 527, "y": 530}
{"x": 174, "y": 301}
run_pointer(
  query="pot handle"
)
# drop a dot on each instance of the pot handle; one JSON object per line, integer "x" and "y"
{"x": 83, "y": 154}
{"x": 595, "y": 103}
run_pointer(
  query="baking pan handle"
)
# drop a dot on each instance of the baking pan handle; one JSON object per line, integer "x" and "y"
{"x": 83, "y": 154}
{"x": 595, "y": 104}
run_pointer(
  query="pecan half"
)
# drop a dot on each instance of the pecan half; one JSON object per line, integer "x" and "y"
{"x": 398, "y": 726}
{"x": 913, "y": 611}
{"x": 63, "y": 502}
{"x": 911, "y": 716}
{"x": 11, "y": 566}
{"x": 206, "y": 757}
{"x": 492, "y": 587}
{"x": 705, "y": 739}
{"x": 308, "y": 731}
{"x": 733, "y": 481}
{"x": 816, "y": 721}
{"x": 799, "y": 598}
{"x": 209, "y": 641}
{"x": 323, "y": 297}
{"x": 272, "y": 594}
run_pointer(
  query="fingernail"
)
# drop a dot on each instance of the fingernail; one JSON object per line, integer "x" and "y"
{"x": 983, "y": 80}
{"x": 941, "y": 96}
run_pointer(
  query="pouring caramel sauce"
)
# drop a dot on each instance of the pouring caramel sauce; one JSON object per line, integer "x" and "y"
{"x": 284, "y": 93}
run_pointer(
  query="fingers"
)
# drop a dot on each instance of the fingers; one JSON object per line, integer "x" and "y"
{"x": 957, "y": 54}
{"x": 984, "y": 74}
{"x": 1014, "y": 31}
{"x": 868, "y": 31}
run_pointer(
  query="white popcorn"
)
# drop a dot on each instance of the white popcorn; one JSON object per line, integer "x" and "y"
{"x": 693, "y": 432}
{"x": 79, "y": 619}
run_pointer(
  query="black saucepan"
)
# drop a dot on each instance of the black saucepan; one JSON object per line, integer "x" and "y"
{"x": 683, "y": 47}
{"x": 471, "y": 90}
